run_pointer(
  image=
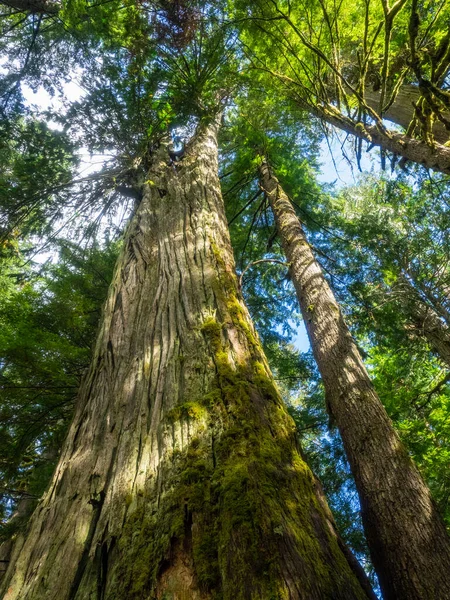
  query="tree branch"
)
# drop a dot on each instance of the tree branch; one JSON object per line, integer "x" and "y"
{"x": 257, "y": 262}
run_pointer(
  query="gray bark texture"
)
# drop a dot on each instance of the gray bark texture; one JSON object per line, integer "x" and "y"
{"x": 429, "y": 325}
{"x": 429, "y": 318}
{"x": 408, "y": 543}
{"x": 181, "y": 478}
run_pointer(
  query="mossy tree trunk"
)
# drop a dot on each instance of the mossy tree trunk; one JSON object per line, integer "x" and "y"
{"x": 407, "y": 539}
{"x": 401, "y": 110}
{"x": 436, "y": 157}
{"x": 181, "y": 477}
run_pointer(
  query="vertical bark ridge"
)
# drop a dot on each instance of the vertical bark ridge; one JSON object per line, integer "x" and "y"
{"x": 207, "y": 494}
{"x": 407, "y": 539}
{"x": 434, "y": 330}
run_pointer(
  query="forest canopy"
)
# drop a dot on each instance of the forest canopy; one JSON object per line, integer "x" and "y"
{"x": 174, "y": 97}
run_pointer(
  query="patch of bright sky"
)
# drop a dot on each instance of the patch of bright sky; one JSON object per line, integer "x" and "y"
{"x": 300, "y": 339}
{"x": 40, "y": 101}
{"x": 339, "y": 166}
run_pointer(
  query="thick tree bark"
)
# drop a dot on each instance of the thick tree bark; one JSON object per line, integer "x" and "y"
{"x": 407, "y": 539}
{"x": 23, "y": 510}
{"x": 427, "y": 317}
{"x": 180, "y": 477}
{"x": 428, "y": 324}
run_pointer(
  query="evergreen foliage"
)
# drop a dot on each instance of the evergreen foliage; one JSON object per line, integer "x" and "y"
{"x": 151, "y": 70}
{"x": 48, "y": 325}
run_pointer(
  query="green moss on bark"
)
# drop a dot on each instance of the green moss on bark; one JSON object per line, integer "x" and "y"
{"x": 191, "y": 410}
{"x": 239, "y": 497}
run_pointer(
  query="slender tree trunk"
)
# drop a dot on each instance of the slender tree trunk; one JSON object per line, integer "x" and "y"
{"x": 180, "y": 478}
{"x": 407, "y": 539}
{"x": 428, "y": 324}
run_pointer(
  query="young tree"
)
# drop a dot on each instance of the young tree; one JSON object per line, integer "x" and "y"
{"x": 378, "y": 459}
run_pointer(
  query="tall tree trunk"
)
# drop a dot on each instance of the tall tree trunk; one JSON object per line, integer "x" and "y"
{"x": 407, "y": 539}
{"x": 180, "y": 478}
{"x": 428, "y": 324}
{"x": 426, "y": 321}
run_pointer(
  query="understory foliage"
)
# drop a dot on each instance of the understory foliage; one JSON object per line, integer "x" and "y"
{"x": 48, "y": 320}
{"x": 148, "y": 71}
{"x": 388, "y": 256}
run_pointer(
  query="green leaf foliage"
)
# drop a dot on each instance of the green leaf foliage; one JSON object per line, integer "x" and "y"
{"x": 147, "y": 71}
{"x": 47, "y": 327}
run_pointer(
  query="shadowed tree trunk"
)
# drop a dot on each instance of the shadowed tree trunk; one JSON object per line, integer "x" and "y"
{"x": 427, "y": 322}
{"x": 407, "y": 539}
{"x": 181, "y": 477}
{"x": 22, "y": 513}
